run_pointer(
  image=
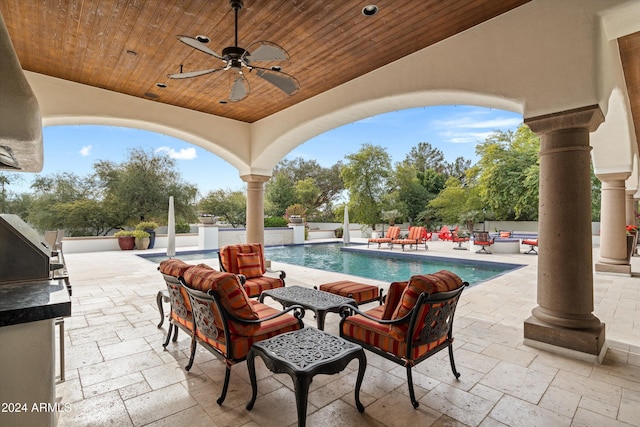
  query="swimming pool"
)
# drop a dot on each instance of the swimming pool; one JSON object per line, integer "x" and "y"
{"x": 386, "y": 266}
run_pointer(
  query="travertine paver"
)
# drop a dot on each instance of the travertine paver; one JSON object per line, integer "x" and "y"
{"x": 119, "y": 374}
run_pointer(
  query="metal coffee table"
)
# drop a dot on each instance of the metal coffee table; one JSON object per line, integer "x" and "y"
{"x": 319, "y": 302}
{"x": 303, "y": 354}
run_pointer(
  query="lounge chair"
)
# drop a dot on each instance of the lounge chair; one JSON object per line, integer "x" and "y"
{"x": 414, "y": 323}
{"x": 247, "y": 260}
{"x": 415, "y": 237}
{"x": 459, "y": 240}
{"x": 533, "y": 245}
{"x": 392, "y": 233}
{"x": 444, "y": 233}
{"x": 481, "y": 238}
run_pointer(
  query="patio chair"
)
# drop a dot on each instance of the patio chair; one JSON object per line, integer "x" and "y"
{"x": 444, "y": 233}
{"x": 533, "y": 246}
{"x": 414, "y": 323}
{"x": 415, "y": 237}
{"x": 392, "y": 233}
{"x": 180, "y": 316}
{"x": 227, "y": 321}
{"x": 455, "y": 238}
{"x": 481, "y": 238}
{"x": 247, "y": 260}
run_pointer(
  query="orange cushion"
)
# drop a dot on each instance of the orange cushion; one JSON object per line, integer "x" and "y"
{"x": 229, "y": 258}
{"x": 505, "y": 234}
{"x": 393, "y": 298}
{"x": 250, "y": 265}
{"x": 441, "y": 281}
{"x": 232, "y": 295}
{"x": 174, "y": 267}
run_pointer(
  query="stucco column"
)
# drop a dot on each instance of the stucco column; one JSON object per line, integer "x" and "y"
{"x": 255, "y": 207}
{"x": 563, "y": 320}
{"x": 631, "y": 207}
{"x": 613, "y": 237}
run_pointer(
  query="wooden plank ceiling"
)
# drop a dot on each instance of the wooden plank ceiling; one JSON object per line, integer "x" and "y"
{"x": 630, "y": 57}
{"x": 130, "y": 46}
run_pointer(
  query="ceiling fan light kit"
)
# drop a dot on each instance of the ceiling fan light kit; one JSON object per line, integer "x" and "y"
{"x": 236, "y": 58}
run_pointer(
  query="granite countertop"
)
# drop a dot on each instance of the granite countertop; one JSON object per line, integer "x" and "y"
{"x": 32, "y": 301}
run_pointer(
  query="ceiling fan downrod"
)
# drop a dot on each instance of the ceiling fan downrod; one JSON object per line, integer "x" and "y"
{"x": 236, "y": 5}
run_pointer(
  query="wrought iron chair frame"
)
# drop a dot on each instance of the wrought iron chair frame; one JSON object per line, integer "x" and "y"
{"x": 443, "y": 316}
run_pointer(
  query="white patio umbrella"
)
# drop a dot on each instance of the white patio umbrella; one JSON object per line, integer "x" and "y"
{"x": 345, "y": 233}
{"x": 171, "y": 231}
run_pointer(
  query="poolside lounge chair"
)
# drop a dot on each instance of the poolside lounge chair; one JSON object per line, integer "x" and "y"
{"x": 247, "y": 260}
{"x": 445, "y": 233}
{"x": 392, "y": 233}
{"x": 533, "y": 245}
{"x": 481, "y": 238}
{"x": 458, "y": 239}
{"x": 415, "y": 237}
{"x": 414, "y": 323}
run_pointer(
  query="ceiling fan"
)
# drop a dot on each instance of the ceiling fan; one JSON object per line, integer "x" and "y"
{"x": 236, "y": 58}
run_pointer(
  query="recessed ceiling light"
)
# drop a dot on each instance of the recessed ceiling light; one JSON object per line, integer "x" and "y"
{"x": 370, "y": 10}
{"x": 223, "y": 102}
{"x": 162, "y": 85}
{"x": 202, "y": 39}
{"x": 276, "y": 68}
{"x": 132, "y": 52}
{"x": 151, "y": 95}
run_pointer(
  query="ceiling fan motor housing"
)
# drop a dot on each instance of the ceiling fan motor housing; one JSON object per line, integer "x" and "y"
{"x": 233, "y": 52}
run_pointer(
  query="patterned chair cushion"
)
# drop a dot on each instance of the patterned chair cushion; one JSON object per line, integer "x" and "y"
{"x": 229, "y": 259}
{"x": 361, "y": 292}
{"x": 255, "y": 286}
{"x": 393, "y": 298}
{"x": 250, "y": 265}
{"x": 378, "y": 335}
{"x": 173, "y": 267}
{"x": 231, "y": 293}
{"x": 441, "y": 281}
{"x": 241, "y": 344}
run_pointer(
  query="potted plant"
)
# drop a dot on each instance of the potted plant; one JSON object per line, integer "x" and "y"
{"x": 339, "y": 232}
{"x": 149, "y": 227}
{"x": 141, "y": 239}
{"x": 126, "y": 240}
{"x": 207, "y": 219}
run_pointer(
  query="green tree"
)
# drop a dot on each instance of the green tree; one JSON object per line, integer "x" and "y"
{"x": 457, "y": 203}
{"x": 227, "y": 204}
{"x": 143, "y": 183}
{"x": 6, "y": 179}
{"x": 279, "y": 193}
{"x": 409, "y": 195}
{"x": 509, "y": 172}
{"x": 366, "y": 176}
{"x": 424, "y": 156}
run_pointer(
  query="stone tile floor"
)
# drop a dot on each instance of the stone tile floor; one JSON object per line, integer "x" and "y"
{"x": 118, "y": 374}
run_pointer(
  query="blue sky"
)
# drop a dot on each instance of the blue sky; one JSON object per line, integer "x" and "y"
{"x": 455, "y": 130}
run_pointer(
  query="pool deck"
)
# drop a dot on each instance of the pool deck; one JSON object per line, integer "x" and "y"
{"x": 119, "y": 375}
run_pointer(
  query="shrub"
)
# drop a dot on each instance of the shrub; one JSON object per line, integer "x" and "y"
{"x": 140, "y": 234}
{"x": 183, "y": 227}
{"x": 275, "y": 221}
{"x": 147, "y": 225}
{"x": 124, "y": 233}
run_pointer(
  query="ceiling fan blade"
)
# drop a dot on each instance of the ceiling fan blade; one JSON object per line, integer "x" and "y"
{"x": 193, "y": 74}
{"x": 266, "y": 51}
{"x": 194, "y": 43}
{"x": 282, "y": 81}
{"x": 239, "y": 88}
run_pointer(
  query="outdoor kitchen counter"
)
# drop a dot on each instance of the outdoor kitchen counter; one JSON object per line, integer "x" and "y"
{"x": 33, "y": 301}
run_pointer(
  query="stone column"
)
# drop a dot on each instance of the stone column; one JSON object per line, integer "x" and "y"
{"x": 255, "y": 207}
{"x": 563, "y": 321}
{"x": 631, "y": 207}
{"x": 613, "y": 236}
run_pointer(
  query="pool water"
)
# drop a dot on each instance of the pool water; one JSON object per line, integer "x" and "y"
{"x": 386, "y": 266}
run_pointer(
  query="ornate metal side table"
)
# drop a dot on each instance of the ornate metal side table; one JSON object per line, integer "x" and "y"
{"x": 319, "y": 302}
{"x": 303, "y": 354}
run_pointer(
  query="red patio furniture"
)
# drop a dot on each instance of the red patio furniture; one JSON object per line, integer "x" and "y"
{"x": 392, "y": 233}
{"x": 415, "y": 237}
{"x": 414, "y": 323}
{"x": 481, "y": 238}
{"x": 247, "y": 260}
{"x": 533, "y": 245}
{"x": 455, "y": 238}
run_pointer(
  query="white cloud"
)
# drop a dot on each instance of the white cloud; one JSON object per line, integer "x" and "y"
{"x": 183, "y": 154}
{"x": 461, "y": 137}
{"x": 469, "y": 123}
{"x": 85, "y": 151}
